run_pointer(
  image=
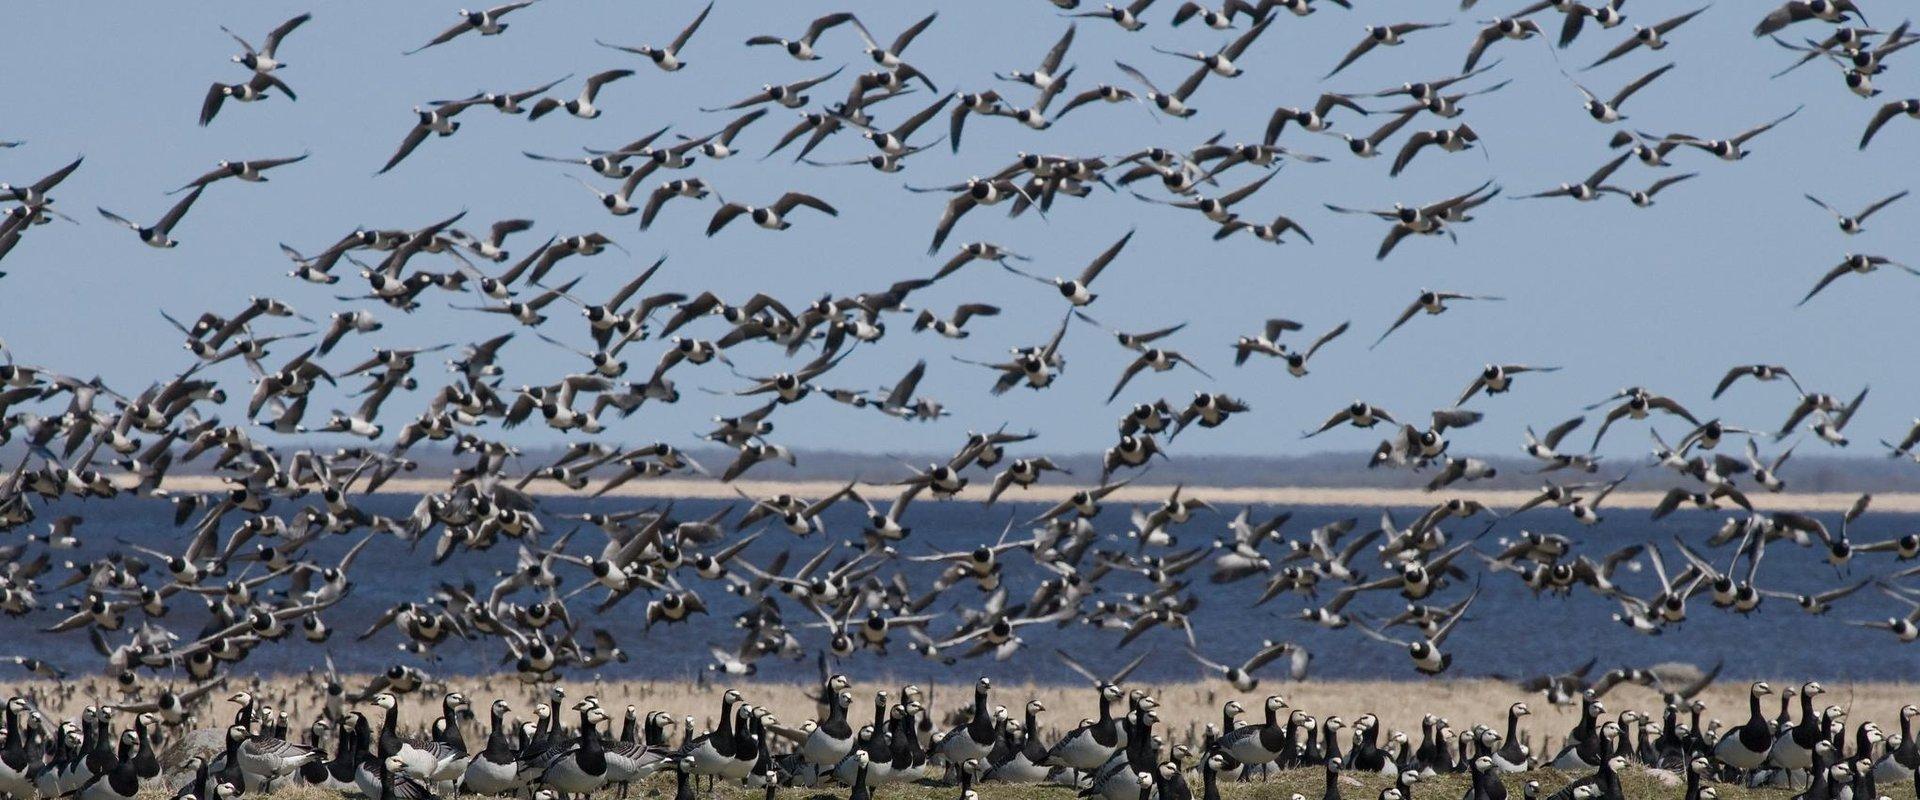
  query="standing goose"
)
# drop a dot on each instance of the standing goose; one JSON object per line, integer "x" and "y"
{"x": 1899, "y": 763}
{"x": 336, "y": 773}
{"x": 1025, "y": 763}
{"x": 1513, "y": 756}
{"x": 448, "y": 745}
{"x": 265, "y": 759}
{"x": 710, "y": 751}
{"x": 1746, "y": 748}
{"x": 397, "y": 785}
{"x": 1486, "y": 783}
{"x": 422, "y": 761}
{"x": 831, "y": 738}
{"x": 583, "y": 770}
{"x": 1332, "y": 769}
{"x": 1793, "y": 746}
{"x": 975, "y": 739}
{"x": 15, "y": 763}
{"x": 119, "y": 782}
{"x": 1257, "y": 745}
{"x": 1091, "y": 744}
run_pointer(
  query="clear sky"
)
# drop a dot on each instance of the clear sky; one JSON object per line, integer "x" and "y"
{"x": 1666, "y": 297}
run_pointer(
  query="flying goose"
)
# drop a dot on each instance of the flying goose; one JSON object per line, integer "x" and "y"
{"x": 1732, "y": 149}
{"x": 1078, "y": 290}
{"x": 1802, "y": 10}
{"x": 436, "y": 120}
{"x": 1909, "y": 107}
{"x": 1608, "y": 111}
{"x": 1452, "y": 141}
{"x": 889, "y": 57}
{"x": 1856, "y": 223}
{"x": 790, "y": 95}
{"x": 1643, "y": 198}
{"x": 35, "y": 194}
{"x": 1156, "y": 358}
{"x": 1127, "y": 17}
{"x": 255, "y": 89}
{"x": 802, "y": 48}
{"x": 1313, "y": 119}
{"x": 1430, "y": 301}
{"x": 581, "y": 106}
{"x": 1369, "y": 146}
{"x": 771, "y": 217}
{"x": 246, "y": 170}
{"x": 1266, "y": 232}
{"x": 666, "y": 58}
{"x": 1651, "y": 38}
{"x": 1044, "y": 76}
{"x": 1221, "y": 62}
{"x": 486, "y": 22}
{"x": 894, "y": 142}
{"x": 954, "y": 327}
{"x": 1500, "y": 28}
{"x": 1497, "y": 379}
{"x": 1035, "y": 116}
{"x": 1586, "y": 190}
{"x": 1175, "y": 104}
{"x": 1857, "y": 264}
{"x": 160, "y": 235}
{"x": 1378, "y": 35}
{"x": 1241, "y": 676}
{"x": 1425, "y": 653}
{"x": 1217, "y": 20}
{"x": 264, "y": 59}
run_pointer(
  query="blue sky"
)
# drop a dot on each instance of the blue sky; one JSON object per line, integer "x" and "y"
{"x": 1666, "y": 297}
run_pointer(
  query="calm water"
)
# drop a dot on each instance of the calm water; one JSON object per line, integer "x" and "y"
{"x": 1509, "y": 631}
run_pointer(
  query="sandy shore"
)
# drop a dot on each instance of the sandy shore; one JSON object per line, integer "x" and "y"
{"x": 1369, "y": 497}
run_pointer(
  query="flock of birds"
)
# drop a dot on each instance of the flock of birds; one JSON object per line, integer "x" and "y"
{"x": 1125, "y": 753}
{"x": 80, "y": 441}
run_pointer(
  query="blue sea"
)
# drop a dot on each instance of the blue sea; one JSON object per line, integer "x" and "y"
{"x": 1509, "y": 631}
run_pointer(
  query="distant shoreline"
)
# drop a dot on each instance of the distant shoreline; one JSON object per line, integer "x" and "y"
{"x": 1371, "y": 497}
